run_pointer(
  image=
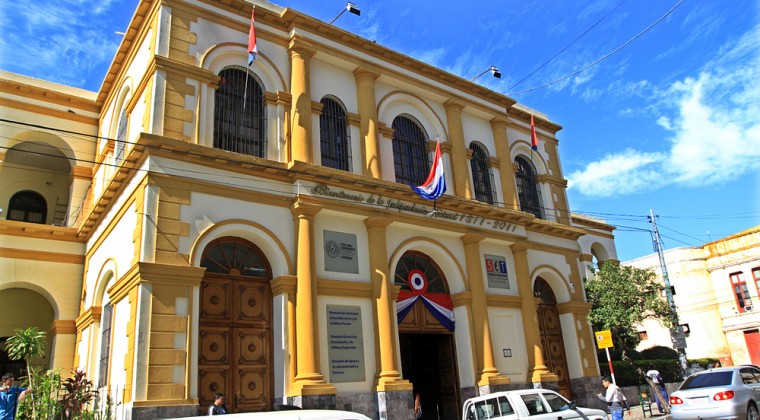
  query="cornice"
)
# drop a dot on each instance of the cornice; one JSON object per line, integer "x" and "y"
{"x": 48, "y": 95}
{"x": 38, "y": 231}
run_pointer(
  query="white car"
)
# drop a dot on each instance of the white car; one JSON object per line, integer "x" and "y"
{"x": 538, "y": 404}
{"x": 294, "y": 415}
{"x": 721, "y": 393}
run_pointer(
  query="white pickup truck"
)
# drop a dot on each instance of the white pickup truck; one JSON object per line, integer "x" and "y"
{"x": 535, "y": 404}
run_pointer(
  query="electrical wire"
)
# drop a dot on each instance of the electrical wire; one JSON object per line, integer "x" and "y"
{"x": 608, "y": 55}
{"x": 568, "y": 46}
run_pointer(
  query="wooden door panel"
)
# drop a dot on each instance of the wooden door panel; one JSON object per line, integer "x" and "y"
{"x": 253, "y": 385}
{"x": 235, "y": 343}
{"x": 213, "y": 379}
{"x": 448, "y": 378}
{"x": 553, "y": 346}
{"x": 253, "y": 303}
{"x": 215, "y": 300}
{"x": 214, "y": 345}
{"x": 252, "y": 346}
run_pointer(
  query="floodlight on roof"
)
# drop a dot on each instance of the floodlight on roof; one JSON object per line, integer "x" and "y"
{"x": 351, "y": 8}
{"x": 494, "y": 72}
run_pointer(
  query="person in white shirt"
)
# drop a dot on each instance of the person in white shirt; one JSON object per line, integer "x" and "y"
{"x": 615, "y": 399}
{"x": 659, "y": 383}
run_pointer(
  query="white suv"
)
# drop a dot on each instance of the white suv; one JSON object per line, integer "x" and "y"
{"x": 538, "y": 404}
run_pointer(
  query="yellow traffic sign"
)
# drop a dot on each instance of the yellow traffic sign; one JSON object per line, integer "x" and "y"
{"x": 603, "y": 339}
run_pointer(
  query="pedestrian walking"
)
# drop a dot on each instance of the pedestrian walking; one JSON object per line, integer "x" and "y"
{"x": 614, "y": 398}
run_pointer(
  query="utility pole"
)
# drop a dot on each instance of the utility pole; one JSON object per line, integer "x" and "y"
{"x": 676, "y": 333}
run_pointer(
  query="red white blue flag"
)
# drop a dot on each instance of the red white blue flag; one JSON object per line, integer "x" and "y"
{"x": 533, "y": 136}
{"x": 439, "y": 304}
{"x": 435, "y": 184}
{"x": 253, "y": 50}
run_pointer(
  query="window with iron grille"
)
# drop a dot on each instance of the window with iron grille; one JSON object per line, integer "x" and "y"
{"x": 527, "y": 187}
{"x": 482, "y": 175}
{"x": 741, "y": 292}
{"x": 105, "y": 344}
{"x": 27, "y": 206}
{"x": 238, "y": 128}
{"x": 410, "y": 157}
{"x": 121, "y": 137}
{"x": 334, "y": 137}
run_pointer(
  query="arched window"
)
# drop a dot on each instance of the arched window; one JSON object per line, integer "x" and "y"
{"x": 482, "y": 175}
{"x": 410, "y": 157}
{"x": 334, "y": 137}
{"x": 527, "y": 187}
{"x": 238, "y": 128}
{"x": 235, "y": 256}
{"x": 121, "y": 137}
{"x": 27, "y": 206}
{"x": 105, "y": 344}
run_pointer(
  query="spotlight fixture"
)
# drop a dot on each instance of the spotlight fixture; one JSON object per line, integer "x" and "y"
{"x": 494, "y": 72}
{"x": 351, "y": 8}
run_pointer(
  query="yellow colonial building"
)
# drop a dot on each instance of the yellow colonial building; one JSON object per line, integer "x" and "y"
{"x": 201, "y": 226}
{"x": 717, "y": 297}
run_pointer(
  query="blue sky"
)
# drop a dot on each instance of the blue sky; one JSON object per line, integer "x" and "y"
{"x": 670, "y": 121}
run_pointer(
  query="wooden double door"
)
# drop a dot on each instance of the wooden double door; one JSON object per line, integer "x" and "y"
{"x": 235, "y": 342}
{"x": 551, "y": 335}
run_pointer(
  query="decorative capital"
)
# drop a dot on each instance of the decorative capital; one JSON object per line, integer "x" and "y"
{"x": 377, "y": 222}
{"x": 471, "y": 238}
{"x": 499, "y": 123}
{"x": 363, "y": 73}
{"x": 302, "y": 209}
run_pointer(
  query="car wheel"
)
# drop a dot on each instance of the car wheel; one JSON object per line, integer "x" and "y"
{"x": 752, "y": 413}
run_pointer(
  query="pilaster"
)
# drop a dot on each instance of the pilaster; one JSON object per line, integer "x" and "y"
{"x": 368, "y": 128}
{"x": 484, "y": 361}
{"x": 309, "y": 381}
{"x": 300, "y": 108}
{"x": 388, "y": 377}
{"x": 506, "y": 170}
{"x": 537, "y": 370}
{"x": 462, "y": 183}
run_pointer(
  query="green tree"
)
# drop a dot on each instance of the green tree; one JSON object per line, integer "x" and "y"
{"x": 26, "y": 344}
{"x": 622, "y": 297}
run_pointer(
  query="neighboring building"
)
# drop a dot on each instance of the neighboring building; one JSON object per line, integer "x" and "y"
{"x": 716, "y": 289}
{"x": 176, "y": 243}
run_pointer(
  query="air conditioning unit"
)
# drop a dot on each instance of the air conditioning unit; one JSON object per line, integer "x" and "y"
{"x": 747, "y": 308}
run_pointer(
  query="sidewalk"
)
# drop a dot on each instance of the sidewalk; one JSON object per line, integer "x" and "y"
{"x": 637, "y": 414}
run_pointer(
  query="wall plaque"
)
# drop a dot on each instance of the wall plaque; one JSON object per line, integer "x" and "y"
{"x": 345, "y": 343}
{"x": 496, "y": 272}
{"x": 340, "y": 252}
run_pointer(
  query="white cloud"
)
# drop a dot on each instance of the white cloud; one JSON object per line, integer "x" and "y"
{"x": 714, "y": 126}
{"x": 619, "y": 173}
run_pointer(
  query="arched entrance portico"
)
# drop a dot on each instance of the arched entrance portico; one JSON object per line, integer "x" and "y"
{"x": 426, "y": 335}
{"x": 551, "y": 335}
{"x": 235, "y": 327}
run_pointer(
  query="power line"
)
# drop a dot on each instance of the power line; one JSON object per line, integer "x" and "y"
{"x": 568, "y": 46}
{"x": 608, "y": 55}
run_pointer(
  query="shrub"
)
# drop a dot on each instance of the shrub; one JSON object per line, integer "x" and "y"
{"x": 659, "y": 352}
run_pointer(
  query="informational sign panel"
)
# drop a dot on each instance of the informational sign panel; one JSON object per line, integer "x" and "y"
{"x": 603, "y": 339}
{"x": 496, "y": 272}
{"x": 340, "y": 252}
{"x": 345, "y": 343}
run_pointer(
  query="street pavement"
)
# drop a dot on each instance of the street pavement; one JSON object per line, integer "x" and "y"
{"x": 637, "y": 414}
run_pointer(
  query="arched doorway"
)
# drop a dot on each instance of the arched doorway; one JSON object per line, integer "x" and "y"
{"x": 235, "y": 327}
{"x": 551, "y": 335}
{"x": 426, "y": 335}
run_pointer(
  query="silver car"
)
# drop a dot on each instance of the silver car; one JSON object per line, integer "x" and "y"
{"x": 722, "y": 393}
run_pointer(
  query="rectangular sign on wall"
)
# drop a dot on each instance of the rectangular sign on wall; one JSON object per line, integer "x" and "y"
{"x": 340, "y": 252}
{"x": 345, "y": 343}
{"x": 496, "y": 272}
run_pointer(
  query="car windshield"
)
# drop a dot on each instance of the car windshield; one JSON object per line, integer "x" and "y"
{"x": 707, "y": 380}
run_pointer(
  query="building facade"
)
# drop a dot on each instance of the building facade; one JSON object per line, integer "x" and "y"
{"x": 200, "y": 225}
{"x": 716, "y": 291}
